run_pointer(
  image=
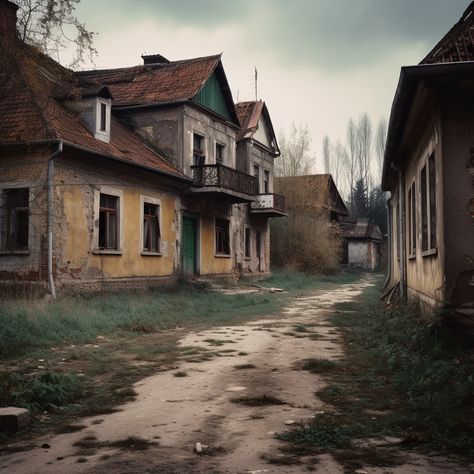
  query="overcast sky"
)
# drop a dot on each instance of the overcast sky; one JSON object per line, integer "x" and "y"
{"x": 319, "y": 62}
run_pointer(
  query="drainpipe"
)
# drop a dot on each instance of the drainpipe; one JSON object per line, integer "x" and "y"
{"x": 52, "y": 288}
{"x": 401, "y": 230}
{"x": 389, "y": 244}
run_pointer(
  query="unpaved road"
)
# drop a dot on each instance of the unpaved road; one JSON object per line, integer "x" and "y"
{"x": 177, "y": 412}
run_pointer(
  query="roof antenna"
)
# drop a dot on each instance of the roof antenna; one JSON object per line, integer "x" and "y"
{"x": 256, "y": 84}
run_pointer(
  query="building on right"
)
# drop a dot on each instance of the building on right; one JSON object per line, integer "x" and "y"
{"x": 429, "y": 172}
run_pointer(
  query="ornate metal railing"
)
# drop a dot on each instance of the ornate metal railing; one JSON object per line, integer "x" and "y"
{"x": 221, "y": 176}
{"x": 269, "y": 201}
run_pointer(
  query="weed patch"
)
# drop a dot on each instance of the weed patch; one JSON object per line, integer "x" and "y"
{"x": 318, "y": 366}
{"x": 258, "y": 401}
{"x": 245, "y": 366}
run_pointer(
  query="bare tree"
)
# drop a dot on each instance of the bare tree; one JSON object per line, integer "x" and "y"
{"x": 380, "y": 143}
{"x": 52, "y": 26}
{"x": 364, "y": 142}
{"x": 296, "y": 158}
{"x": 327, "y": 154}
{"x": 350, "y": 158}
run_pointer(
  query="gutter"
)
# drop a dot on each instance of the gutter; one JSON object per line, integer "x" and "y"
{"x": 50, "y": 176}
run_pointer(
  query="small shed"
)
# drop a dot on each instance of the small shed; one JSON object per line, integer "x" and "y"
{"x": 361, "y": 244}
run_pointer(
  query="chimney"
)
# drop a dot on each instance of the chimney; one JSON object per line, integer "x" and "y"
{"x": 8, "y": 19}
{"x": 153, "y": 59}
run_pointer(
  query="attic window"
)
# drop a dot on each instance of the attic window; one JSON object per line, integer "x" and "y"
{"x": 102, "y": 119}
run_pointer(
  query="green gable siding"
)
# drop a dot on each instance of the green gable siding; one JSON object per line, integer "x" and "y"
{"x": 212, "y": 97}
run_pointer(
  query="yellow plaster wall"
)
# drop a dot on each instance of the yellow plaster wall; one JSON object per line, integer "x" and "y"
{"x": 210, "y": 264}
{"x": 79, "y": 239}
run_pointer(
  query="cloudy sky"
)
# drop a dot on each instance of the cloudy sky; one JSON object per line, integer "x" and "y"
{"x": 319, "y": 62}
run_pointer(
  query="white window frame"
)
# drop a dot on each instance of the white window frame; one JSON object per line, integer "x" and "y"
{"x": 103, "y": 135}
{"x": 156, "y": 201}
{"x": 120, "y": 216}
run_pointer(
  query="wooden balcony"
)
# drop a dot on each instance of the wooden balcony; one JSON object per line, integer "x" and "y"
{"x": 269, "y": 205}
{"x": 222, "y": 181}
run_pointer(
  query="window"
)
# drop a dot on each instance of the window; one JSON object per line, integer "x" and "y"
{"x": 108, "y": 222}
{"x": 103, "y": 117}
{"x": 412, "y": 221}
{"x": 220, "y": 153}
{"x": 222, "y": 237}
{"x": 428, "y": 206}
{"x": 198, "y": 150}
{"x": 247, "y": 243}
{"x": 266, "y": 181}
{"x": 15, "y": 220}
{"x": 151, "y": 227}
{"x": 256, "y": 173}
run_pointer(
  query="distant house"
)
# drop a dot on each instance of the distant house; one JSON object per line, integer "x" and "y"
{"x": 361, "y": 244}
{"x": 308, "y": 238}
{"x": 429, "y": 171}
{"x": 312, "y": 194}
{"x": 128, "y": 177}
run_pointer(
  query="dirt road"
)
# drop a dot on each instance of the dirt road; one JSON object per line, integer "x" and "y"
{"x": 232, "y": 405}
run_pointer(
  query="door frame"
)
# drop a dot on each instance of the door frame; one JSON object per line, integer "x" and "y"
{"x": 197, "y": 251}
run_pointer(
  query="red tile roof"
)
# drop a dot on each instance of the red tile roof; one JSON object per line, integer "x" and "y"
{"x": 30, "y": 81}
{"x": 458, "y": 44}
{"x": 175, "y": 81}
{"x": 249, "y": 114}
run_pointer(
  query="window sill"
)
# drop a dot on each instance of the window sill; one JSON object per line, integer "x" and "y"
{"x": 430, "y": 252}
{"x": 107, "y": 252}
{"x": 7, "y": 253}
{"x": 412, "y": 257}
{"x": 222, "y": 255}
{"x": 148, "y": 253}
{"x": 248, "y": 259}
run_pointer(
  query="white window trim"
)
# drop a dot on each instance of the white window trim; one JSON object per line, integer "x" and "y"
{"x": 156, "y": 201}
{"x": 102, "y": 135}
{"x": 119, "y": 194}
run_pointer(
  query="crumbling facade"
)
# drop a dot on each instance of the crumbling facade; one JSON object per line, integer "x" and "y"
{"x": 126, "y": 177}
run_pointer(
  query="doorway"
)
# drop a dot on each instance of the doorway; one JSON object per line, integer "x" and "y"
{"x": 189, "y": 250}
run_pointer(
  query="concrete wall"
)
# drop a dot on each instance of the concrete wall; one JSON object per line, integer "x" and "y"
{"x": 363, "y": 254}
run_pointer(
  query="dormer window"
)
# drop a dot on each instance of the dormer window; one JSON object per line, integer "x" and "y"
{"x": 102, "y": 119}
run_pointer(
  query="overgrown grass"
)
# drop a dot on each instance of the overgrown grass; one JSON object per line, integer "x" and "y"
{"x": 45, "y": 391}
{"x": 26, "y": 326}
{"x": 401, "y": 377}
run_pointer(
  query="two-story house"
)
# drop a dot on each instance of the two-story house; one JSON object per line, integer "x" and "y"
{"x": 124, "y": 177}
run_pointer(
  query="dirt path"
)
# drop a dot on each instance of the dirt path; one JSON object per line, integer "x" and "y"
{"x": 257, "y": 366}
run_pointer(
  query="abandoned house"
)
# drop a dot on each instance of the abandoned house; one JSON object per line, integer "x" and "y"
{"x": 361, "y": 244}
{"x": 429, "y": 171}
{"x": 309, "y": 233}
{"x": 129, "y": 177}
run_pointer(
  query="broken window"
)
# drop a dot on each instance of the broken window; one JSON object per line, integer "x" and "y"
{"x": 222, "y": 237}
{"x": 15, "y": 220}
{"x": 247, "y": 243}
{"x": 108, "y": 222}
{"x": 151, "y": 227}
{"x": 428, "y": 205}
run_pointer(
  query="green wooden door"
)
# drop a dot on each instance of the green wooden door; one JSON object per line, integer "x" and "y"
{"x": 189, "y": 245}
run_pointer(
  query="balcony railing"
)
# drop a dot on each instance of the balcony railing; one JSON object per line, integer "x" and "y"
{"x": 270, "y": 204}
{"x": 225, "y": 178}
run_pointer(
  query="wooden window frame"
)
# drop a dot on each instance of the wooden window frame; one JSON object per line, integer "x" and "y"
{"x": 222, "y": 237}
{"x": 266, "y": 181}
{"x": 15, "y": 215}
{"x": 256, "y": 173}
{"x": 428, "y": 195}
{"x": 147, "y": 230}
{"x": 109, "y": 212}
{"x": 199, "y": 156}
{"x": 412, "y": 221}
